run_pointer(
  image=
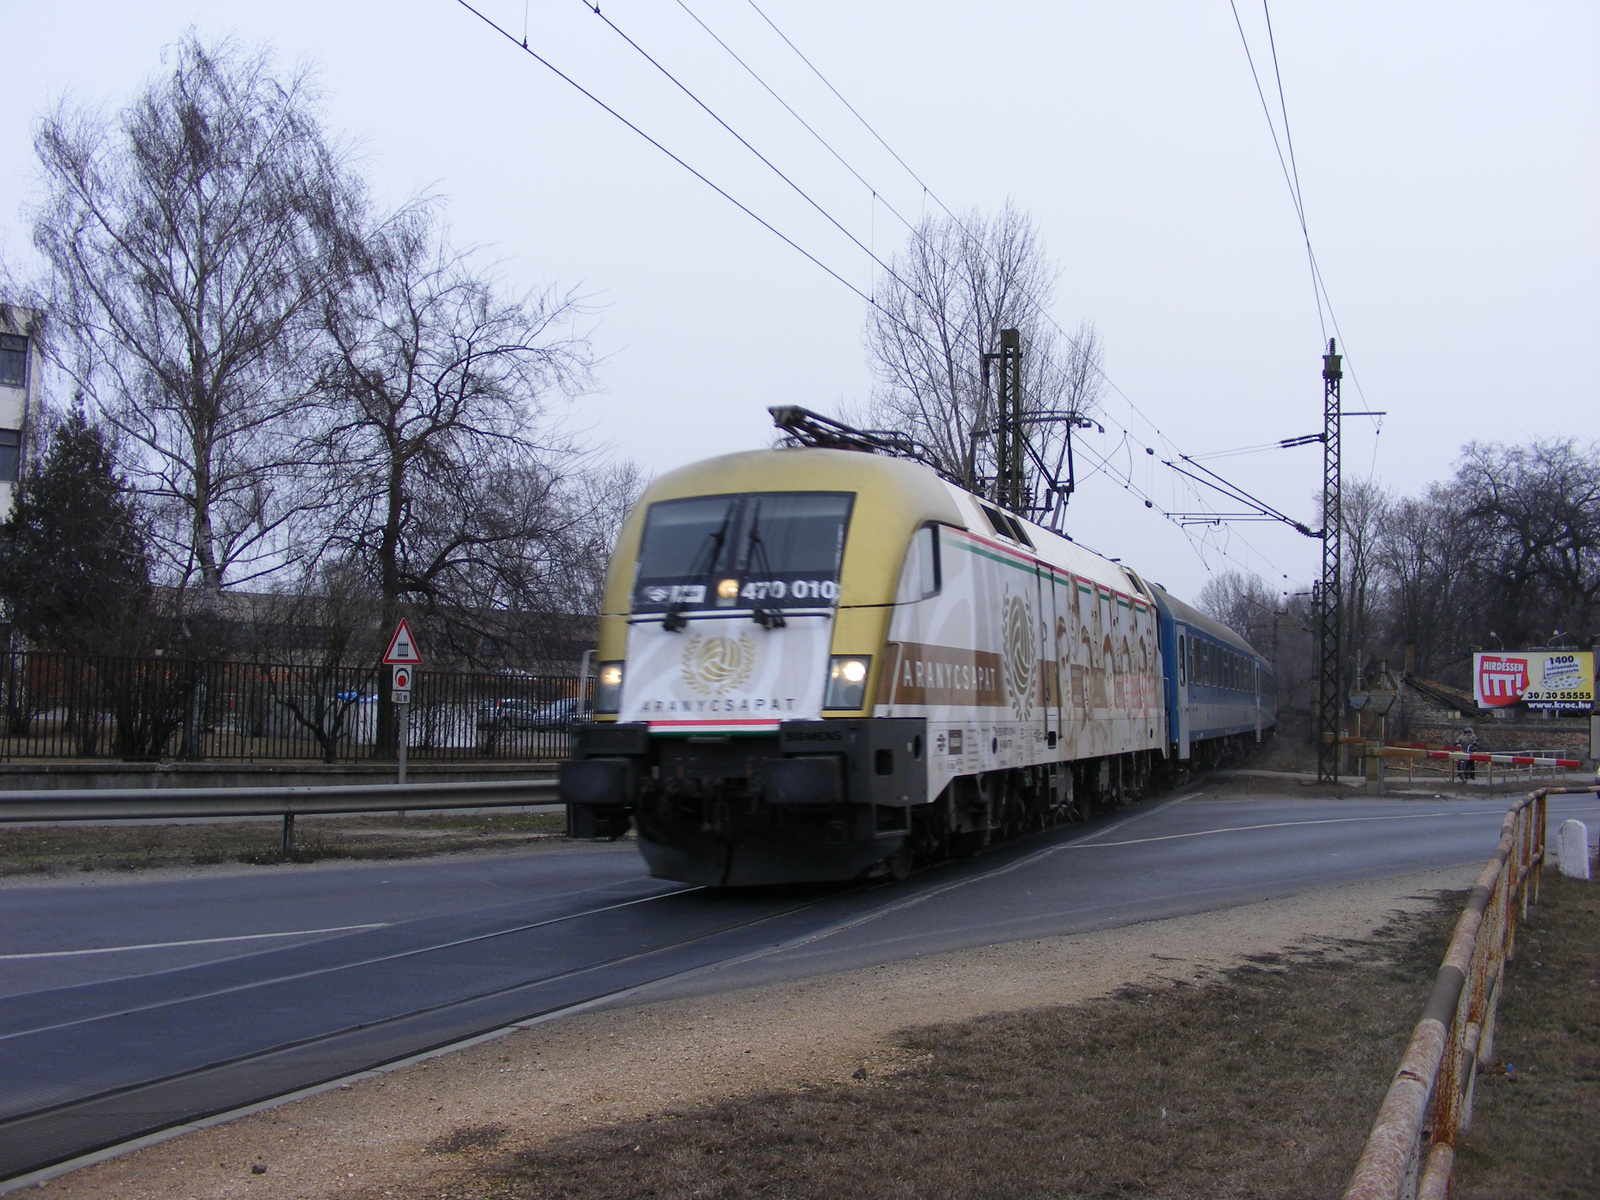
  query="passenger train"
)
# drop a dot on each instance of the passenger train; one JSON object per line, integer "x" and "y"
{"x": 823, "y": 664}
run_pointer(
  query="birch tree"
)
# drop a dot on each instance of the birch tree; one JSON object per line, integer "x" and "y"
{"x": 188, "y": 240}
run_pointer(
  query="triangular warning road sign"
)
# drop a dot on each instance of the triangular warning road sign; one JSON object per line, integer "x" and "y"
{"x": 403, "y": 648}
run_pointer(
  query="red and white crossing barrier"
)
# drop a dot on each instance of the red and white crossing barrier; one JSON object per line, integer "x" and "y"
{"x": 1421, "y": 750}
{"x": 1499, "y": 760}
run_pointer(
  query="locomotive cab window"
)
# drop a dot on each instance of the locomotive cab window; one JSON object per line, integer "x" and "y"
{"x": 767, "y": 549}
{"x": 921, "y": 577}
{"x": 926, "y": 547}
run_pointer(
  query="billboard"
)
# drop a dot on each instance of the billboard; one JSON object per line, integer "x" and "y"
{"x": 1560, "y": 680}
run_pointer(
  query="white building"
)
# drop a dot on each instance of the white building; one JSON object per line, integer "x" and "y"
{"x": 19, "y": 388}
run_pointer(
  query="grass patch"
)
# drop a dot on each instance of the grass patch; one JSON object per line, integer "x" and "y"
{"x": 54, "y": 849}
{"x": 1263, "y": 1082}
{"x": 1536, "y": 1110}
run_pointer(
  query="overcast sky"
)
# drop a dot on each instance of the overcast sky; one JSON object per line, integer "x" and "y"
{"x": 1448, "y": 155}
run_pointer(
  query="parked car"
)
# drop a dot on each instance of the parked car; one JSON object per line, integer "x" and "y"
{"x": 516, "y": 713}
{"x": 563, "y": 714}
{"x": 510, "y": 712}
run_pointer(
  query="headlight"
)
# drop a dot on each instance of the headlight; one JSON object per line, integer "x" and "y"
{"x": 727, "y": 591}
{"x": 608, "y": 687}
{"x": 847, "y": 681}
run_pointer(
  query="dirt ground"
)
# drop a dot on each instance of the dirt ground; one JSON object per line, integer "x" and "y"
{"x": 428, "y": 1129}
{"x": 1536, "y": 1103}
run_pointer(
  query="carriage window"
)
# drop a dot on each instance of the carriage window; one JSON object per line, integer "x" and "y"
{"x": 1183, "y": 661}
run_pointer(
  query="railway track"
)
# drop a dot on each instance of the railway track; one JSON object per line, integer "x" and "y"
{"x": 102, "y": 1064}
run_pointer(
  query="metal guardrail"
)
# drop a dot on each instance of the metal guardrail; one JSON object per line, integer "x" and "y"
{"x": 1432, "y": 1091}
{"x": 123, "y": 804}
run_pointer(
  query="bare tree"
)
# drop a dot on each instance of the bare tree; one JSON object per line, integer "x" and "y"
{"x": 1243, "y": 603}
{"x": 452, "y": 488}
{"x": 1425, "y": 551}
{"x": 952, "y": 289}
{"x": 1278, "y": 626}
{"x": 1535, "y": 512}
{"x": 315, "y": 648}
{"x": 187, "y": 243}
{"x": 597, "y": 502}
{"x": 1365, "y": 506}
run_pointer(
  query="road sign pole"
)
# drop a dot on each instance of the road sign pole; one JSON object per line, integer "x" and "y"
{"x": 405, "y": 723}
{"x": 404, "y": 657}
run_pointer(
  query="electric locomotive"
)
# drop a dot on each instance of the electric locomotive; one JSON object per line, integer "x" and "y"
{"x": 823, "y": 664}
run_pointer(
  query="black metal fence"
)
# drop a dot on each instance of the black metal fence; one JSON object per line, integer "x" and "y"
{"x": 86, "y": 706}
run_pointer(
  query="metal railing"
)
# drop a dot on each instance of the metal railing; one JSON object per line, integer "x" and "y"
{"x": 155, "y": 804}
{"x": 57, "y": 706}
{"x": 1431, "y": 1094}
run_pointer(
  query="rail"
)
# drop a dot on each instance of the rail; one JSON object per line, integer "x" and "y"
{"x": 1431, "y": 1094}
{"x": 154, "y": 804}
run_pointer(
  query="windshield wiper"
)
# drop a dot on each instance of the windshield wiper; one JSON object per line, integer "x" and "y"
{"x": 674, "y": 619}
{"x": 756, "y": 557}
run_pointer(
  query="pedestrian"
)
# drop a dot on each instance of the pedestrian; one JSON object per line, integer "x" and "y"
{"x": 1468, "y": 743}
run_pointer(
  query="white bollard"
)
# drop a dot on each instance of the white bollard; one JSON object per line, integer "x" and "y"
{"x": 1572, "y": 846}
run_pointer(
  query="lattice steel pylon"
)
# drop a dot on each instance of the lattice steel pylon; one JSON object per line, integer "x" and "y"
{"x": 1330, "y": 699}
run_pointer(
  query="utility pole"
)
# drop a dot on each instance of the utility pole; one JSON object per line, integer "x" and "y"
{"x": 1325, "y": 599}
{"x": 1011, "y": 454}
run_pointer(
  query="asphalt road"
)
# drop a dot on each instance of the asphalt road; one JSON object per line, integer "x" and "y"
{"x": 130, "y": 1007}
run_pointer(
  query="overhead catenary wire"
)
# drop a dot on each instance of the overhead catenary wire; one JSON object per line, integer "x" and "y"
{"x": 788, "y": 108}
{"x": 1242, "y": 496}
{"x": 743, "y": 141}
{"x": 869, "y": 250}
{"x": 522, "y": 45}
{"x": 1291, "y": 177}
{"x": 808, "y": 255}
{"x": 877, "y": 198}
{"x": 928, "y": 192}
{"x": 749, "y": 212}
{"x": 1291, "y": 171}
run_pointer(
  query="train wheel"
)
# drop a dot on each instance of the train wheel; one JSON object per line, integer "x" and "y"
{"x": 898, "y": 864}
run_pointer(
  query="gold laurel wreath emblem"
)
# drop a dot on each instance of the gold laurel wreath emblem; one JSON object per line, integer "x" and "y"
{"x": 714, "y": 666}
{"x": 1021, "y": 656}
